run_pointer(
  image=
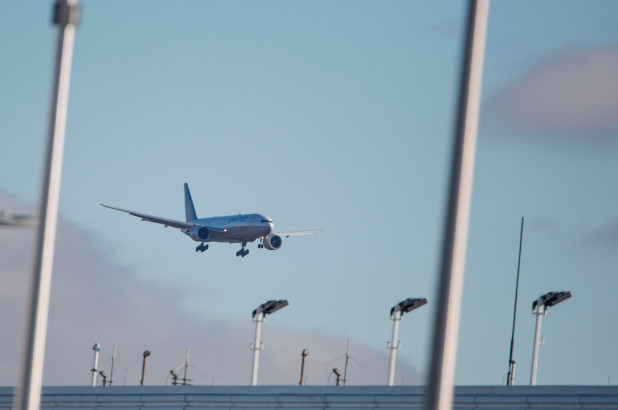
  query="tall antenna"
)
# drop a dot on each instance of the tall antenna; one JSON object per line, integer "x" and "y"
{"x": 111, "y": 373}
{"x": 347, "y": 358}
{"x": 184, "y": 379}
{"x": 186, "y": 365}
{"x": 511, "y": 374}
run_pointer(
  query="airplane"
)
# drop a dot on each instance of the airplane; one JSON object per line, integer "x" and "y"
{"x": 241, "y": 228}
{"x": 21, "y": 220}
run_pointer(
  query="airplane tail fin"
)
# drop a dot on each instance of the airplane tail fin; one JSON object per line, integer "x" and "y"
{"x": 189, "y": 208}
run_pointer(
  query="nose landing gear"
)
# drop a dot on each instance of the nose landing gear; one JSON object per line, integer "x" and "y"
{"x": 201, "y": 247}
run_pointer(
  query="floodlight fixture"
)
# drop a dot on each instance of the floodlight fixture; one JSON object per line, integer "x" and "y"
{"x": 397, "y": 312}
{"x": 175, "y": 376}
{"x": 259, "y": 314}
{"x": 408, "y": 305}
{"x": 146, "y": 353}
{"x": 539, "y": 308}
{"x": 338, "y": 374}
{"x": 551, "y": 299}
{"x": 270, "y": 307}
{"x": 104, "y": 376}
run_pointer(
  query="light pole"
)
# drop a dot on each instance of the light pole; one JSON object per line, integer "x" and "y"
{"x": 174, "y": 374}
{"x": 304, "y": 355}
{"x": 146, "y": 354}
{"x": 397, "y": 312}
{"x": 104, "y": 376}
{"x": 539, "y": 308}
{"x": 28, "y": 395}
{"x": 338, "y": 374}
{"x": 259, "y": 314}
{"x": 97, "y": 349}
{"x": 439, "y": 391}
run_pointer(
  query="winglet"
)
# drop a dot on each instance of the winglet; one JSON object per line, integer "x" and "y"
{"x": 189, "y": 208}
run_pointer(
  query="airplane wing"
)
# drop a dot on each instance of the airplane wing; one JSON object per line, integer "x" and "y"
{"x": 156, "y": 219}
{"x": 20, "y": 220}
{"x": 288, "y": 234}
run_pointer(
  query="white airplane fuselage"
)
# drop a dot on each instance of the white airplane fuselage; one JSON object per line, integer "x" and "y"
{"x": 232, "y": 228}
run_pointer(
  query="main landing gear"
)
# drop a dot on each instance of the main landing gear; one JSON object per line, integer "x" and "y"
{"x": 201, "y": 247}
{"x": 243, "y": 252}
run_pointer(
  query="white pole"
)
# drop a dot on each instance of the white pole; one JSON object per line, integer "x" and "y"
{"x": 97, "y": 349}
{"x": 539, "y": 312}
{"x": 28, "y": 395}
{"x": 439, "y": 394}
{"x": 394, "y": 346}
{"x": 257, "y": 346}
{"x": 184, "y": 381}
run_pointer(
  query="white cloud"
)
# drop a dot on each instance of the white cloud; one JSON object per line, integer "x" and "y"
{"x": 95, "y": 300}
{"x": 571, "y": 93}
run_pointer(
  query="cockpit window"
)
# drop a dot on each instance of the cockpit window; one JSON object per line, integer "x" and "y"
{"x": 267, "y": 220}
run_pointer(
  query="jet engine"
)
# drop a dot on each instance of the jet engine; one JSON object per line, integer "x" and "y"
{"x": 200, "y": 233}
{"x": 273, "y": 242}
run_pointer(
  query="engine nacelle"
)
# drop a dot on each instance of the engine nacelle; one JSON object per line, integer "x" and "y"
{"x": 273, "y": 242}
{"x": 200, "y": 233}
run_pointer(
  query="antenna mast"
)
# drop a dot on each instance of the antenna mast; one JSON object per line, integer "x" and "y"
{"x": 511, "y": 374}
{"x": 111, "y": 373}
{"x": 184, "y": 380}
{"x": 347, "y": 358}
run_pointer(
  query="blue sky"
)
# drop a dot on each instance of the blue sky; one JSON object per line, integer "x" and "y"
{"x": 333, "y": 115}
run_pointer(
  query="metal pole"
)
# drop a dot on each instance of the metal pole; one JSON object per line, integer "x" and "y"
{"x": 511, "y": 374}
{"x": 347, "y": 358}
{"x": 28, "y": 395}
{"x": 97, "y": 349}
{"x": 141, "y": 383}
{"x": 146, "y": 354}
{"x": 539, "y": 312}
{"x": 394, "y": 346}
{"x": 256, "y": 346}
{"x": 184, "y": 380}
{"x": 446, "y": 324}
{"x": 304, "y": 355}
{"x": 111, "y": 374}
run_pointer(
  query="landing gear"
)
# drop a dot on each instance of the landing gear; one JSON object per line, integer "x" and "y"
{"x": 201, "y": 247}
{"x": 243, "y": 252}
{"x": 261, "y": 244}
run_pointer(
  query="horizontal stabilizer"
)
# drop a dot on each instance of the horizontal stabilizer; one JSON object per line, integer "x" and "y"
{"x": 288, "y": 234}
